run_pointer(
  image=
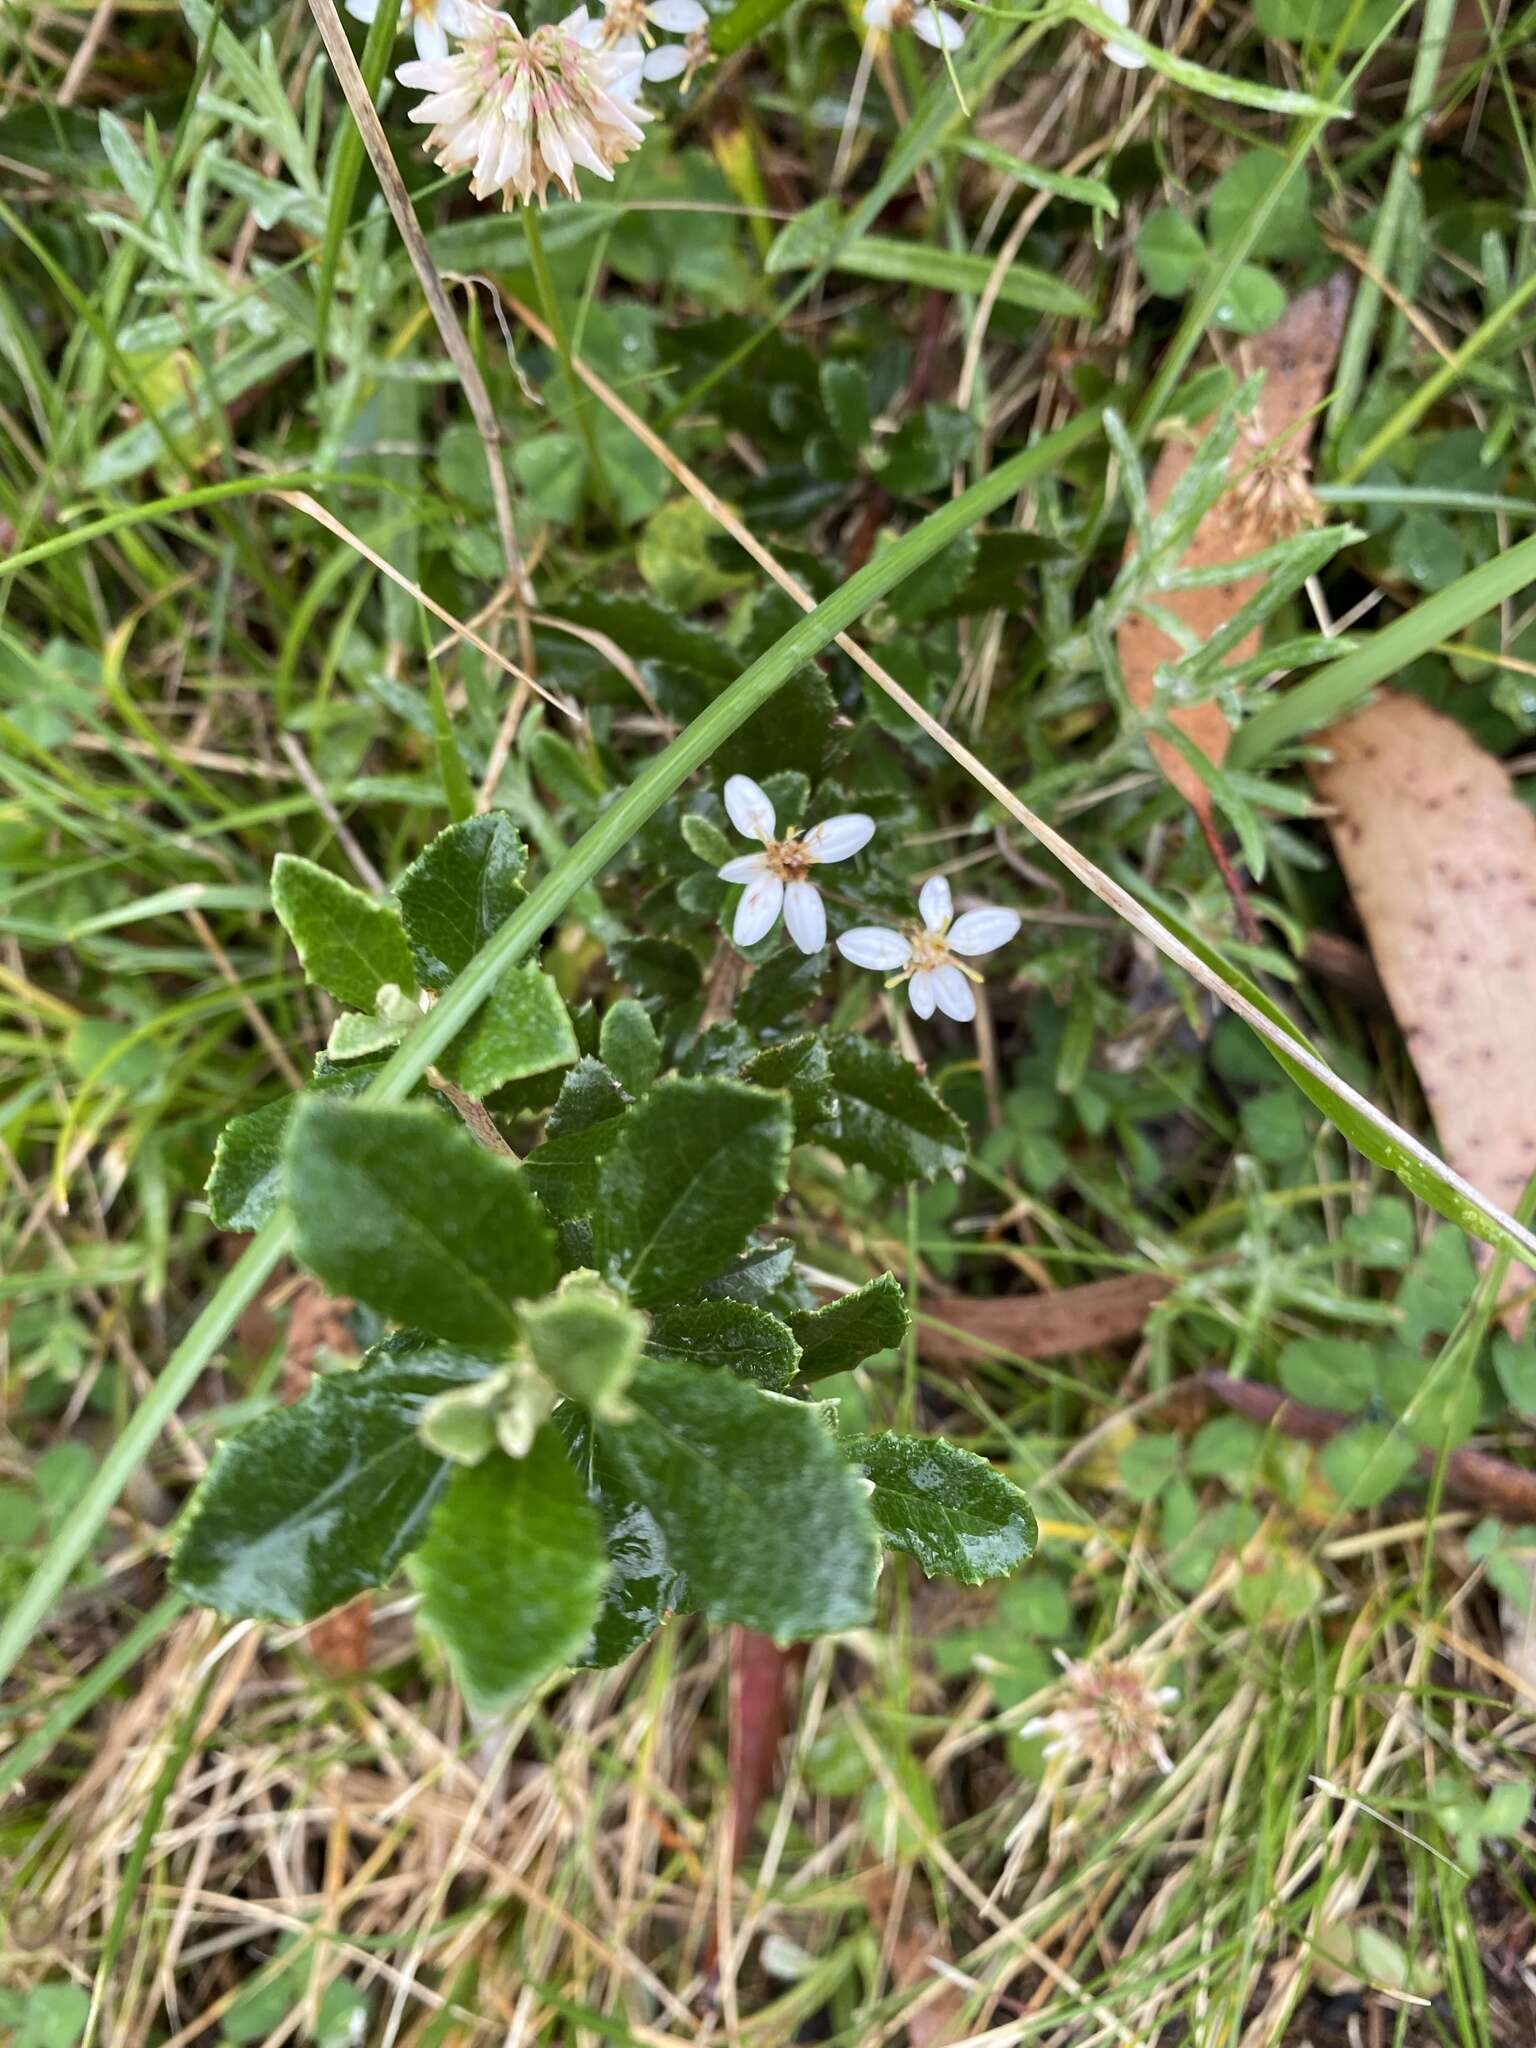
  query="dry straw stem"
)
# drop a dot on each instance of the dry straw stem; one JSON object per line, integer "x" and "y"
{"x": 301, "y": 501}
{"x": 462, "y": 356}
{"x": 1092, "y": 877}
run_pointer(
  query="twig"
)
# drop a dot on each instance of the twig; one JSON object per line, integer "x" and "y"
{"x": 258, "y": 1023}
{"x": 301, "y": 501}
{"x": 1477, "y": 1476}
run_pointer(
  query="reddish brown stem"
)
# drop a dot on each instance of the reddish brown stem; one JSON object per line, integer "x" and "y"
{"x": 1475, "y": 1476}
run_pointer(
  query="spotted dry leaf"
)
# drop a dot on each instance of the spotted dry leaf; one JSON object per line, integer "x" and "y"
{"x": 1262, "y": 506}
{"x": 1440, "y": 855}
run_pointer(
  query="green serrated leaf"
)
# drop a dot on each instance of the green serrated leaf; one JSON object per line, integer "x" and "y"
{"x": 522, "y": 1028}
{"x": 459, "y": 891}
{"x": 403, "y": 1209}
{"x": 890, "y": 1119}
{"x": 735, "y": 1336}
{"x": 706, "y": 841}
{"x": 348, "y": 943}
{"x": 695, "y": 1167}
{"x": 754, "y": 1503}
{"x": 951, "y": 1510}
{"x": 628, "y": 1045}
{"x": 245, "y": 1182}
{"x": 643, "y": 1588}
{"x": 512, "y": 1572}
{"x": 310, "y": 1505}
{"x": 846, "y": 1332}
{"x": 845, "y": 394}
{"x": 802, "y": 1067}
{"x": 585, "y": 1339}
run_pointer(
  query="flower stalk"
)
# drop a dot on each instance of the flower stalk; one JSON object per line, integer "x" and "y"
{"x": 554, "y": 313}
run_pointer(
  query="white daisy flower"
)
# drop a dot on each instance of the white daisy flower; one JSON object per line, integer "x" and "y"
{"x": 930, "y": 24}
{"x": 778, "y": 878}
{"x": 1117, "y": 53}
{"x": 625, "y": 18}
{"x": 682, "y": 60}
{"x": 924, "y": 955}
{"x": 516, "y": 111}
{"x": 431, "y": 22}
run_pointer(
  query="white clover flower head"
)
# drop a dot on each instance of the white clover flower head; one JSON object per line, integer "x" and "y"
{"x": 779, "y": 878}
{"x": 516, "y": 111}
{"x": 1111, "y": 1718}
{"x": 431, "y": 22}
{"x": 1117, "y": 53}
{"x": 930, "y": 24}
{"x": 929, "y": 956}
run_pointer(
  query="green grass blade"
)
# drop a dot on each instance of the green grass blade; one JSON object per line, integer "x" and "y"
{"x": 1339, "y": 687}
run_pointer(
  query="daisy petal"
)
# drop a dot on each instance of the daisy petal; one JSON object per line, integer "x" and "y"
{"x": 839, "y": 838}
{"x": 935, "y": 905}
{"x": 745, "y": 868}
{"x": 938, "y": 31}
{"x": 805, "y": 916}
{"x": 878, "y": 13}
{"x": 362, "y": 10}
{"x": 1128, "y": 60}
{"x": 983, "y": 931}
{"x": 921, "y": 992}
{"x": 748, "y": 808}
{"x": 758, "y": 911}
{"x": 666, "y": 61}
{"x": 677, "y": 17}
{"x": 874, "y": 945}
{"x": 954, "y": 994}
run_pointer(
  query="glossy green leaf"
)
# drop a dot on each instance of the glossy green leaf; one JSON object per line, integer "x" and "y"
{"x": 245, "y": 1182}
{"x": 311, "y": 1504}
{"x": 585, "y": 1339}
{"x": 459, "y": 891}
{"x": 403, "y": 1209}
{"x": 522, "y": 1028}
{"x": 952, "y": 1511}
{"x": 348, "y": 942}
{"x": 803, "y": 1067}
{"x": 512, "y": 1571}
{"x": 629, "y": 1047}
{"x": 732, "y": 1335}
{"x": 755, "y": 1505}
{"x": 695, "y": 1167}
{"x": 890, "y": 1119}
{"x": 644, "y": 1587}
{"x": 846, "y": 1332}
